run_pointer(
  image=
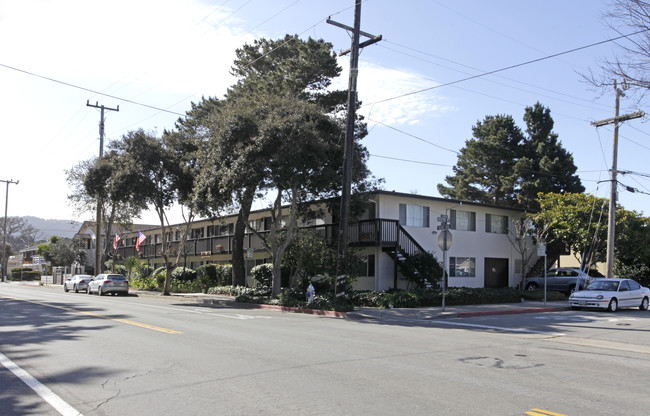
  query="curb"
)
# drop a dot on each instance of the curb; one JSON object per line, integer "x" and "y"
{"x": 508, "y": 312}
{"x": 299, "y": 310}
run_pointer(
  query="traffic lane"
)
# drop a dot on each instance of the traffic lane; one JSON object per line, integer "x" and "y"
{"x": 628, "y": 331}
{"x": 294, "y": 362}
{"x": 76, "y": 354}
{"x": 16, "y": 398}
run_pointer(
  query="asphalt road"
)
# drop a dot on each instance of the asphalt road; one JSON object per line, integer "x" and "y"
{"x": 161, "y": 356}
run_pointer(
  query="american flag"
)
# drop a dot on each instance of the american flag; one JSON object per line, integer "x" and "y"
{"x": 115, "y": 241}
{"x": 140, "y": 240}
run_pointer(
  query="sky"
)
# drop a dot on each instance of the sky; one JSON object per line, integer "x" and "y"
{"x": 423, "y": 87}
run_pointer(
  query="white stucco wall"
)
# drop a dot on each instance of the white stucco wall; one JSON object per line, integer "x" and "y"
{"x": 477, "y": 244}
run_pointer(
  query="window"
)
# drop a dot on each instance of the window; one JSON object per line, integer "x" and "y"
{"x": 634, "y": 285}
{"x": 463, "y": 220}
{"x": 496, "y": 224}
{"x": 257, "y": 224}
{"x": 197, "y": 233}
{"x": 462, "y": 267}
{"x": 413, "y": 215}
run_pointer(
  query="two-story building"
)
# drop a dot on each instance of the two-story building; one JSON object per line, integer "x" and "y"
{"x": 394, "y": 226}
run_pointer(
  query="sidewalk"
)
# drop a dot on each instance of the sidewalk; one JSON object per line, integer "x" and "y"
{"x": 461, "y": 311}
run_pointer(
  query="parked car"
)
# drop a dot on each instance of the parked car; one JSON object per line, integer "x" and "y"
{"x": 562, "y": 279}
{"x": 109, "y": 283}
{"x": 78, "y": 282}
{"x": 611, "y": 294}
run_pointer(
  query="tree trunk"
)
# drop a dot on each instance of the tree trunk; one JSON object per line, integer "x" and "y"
{"x": 238, "y": 262}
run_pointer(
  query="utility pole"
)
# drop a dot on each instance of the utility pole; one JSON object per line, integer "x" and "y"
{"x": 98, "y": 228}
{"x": 611, "y": 231}
{"x": 346, "y": 191}
{"x": 4, "y": 233}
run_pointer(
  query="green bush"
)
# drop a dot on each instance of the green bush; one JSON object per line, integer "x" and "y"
{"x": 224, "y": 275}
{"x": 400, "y": 299}
{"x": 144, "y": 283}
{"x": 184, "y": 286}
{"x": 263, "y": 274}
{"x": 27, "y": 274}
{"x": 184, "y": 274}
{"x": 144, "y": 270}
{"x": 207, "y": 276}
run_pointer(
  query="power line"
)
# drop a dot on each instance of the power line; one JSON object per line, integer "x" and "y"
{"x": 510, "y": 67}
{"x": 88, "y": 89}
{"x": 414, "y": 136}
{"x": 411, "y": 161}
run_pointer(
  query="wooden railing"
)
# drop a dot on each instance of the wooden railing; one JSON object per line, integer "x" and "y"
{"x": 375, "y": 232}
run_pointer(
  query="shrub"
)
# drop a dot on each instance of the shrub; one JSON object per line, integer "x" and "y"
{"x": 144, "y": 283}
{"x": 184, "y": 274}
{"x": 400, "y": 299}
{"x": 263, "y": 274}
{"x": 120, "y": 269}
{"x": 207, "y": 276}
{"x": 144, "y": 270}
{"x": 27, "y": 274}
{"x": 420, "y": 269}
{"x": 224, "y": 275}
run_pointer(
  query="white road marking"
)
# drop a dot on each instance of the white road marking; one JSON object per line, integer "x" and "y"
{"x": 46, "y": 394}
{"x": 526, "y": 331}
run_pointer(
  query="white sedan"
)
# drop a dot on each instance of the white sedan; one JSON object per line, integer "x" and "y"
{"x": 611, "y": 294}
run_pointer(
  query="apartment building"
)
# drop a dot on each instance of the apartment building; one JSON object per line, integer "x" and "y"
{"x": 394, "y": 226}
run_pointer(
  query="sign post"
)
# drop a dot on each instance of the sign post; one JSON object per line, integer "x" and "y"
{"x": 541, "y": 251}
{"x": 445, "y": 241}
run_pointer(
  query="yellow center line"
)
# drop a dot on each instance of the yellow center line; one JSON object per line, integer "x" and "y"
{"x": 96, "y": 315}
{"x": 540, "y": 412}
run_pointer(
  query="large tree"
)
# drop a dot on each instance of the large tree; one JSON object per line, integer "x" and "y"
{"x": 574, "y": 220}
{"x": 278, "y": 79}
{"x": 100, "y": 179}
{"x": 501, "y": 165}
{"x": 158, "y": 177}
{"x": 20, "y": 234}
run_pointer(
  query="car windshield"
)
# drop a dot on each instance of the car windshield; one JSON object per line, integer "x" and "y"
{"x": 603, "y": 285}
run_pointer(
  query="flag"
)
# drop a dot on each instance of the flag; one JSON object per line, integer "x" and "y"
{"x": 140, "y": 240}
{"x": 115, "y": 241}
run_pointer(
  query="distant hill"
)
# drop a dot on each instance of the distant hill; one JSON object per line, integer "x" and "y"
{"x": 48, "y": 228}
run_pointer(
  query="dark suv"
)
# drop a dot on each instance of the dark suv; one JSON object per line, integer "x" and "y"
{"x": 562, "y": 279}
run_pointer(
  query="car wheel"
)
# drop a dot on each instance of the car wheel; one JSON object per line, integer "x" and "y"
{"x": 76, "y": 290}
{"x": 613, "y": 305}
{"x": 531, "y": 286}
{"x": 65, "y": 288}
{"x": 99, "y": 291}
{"x": 644, "y": 304}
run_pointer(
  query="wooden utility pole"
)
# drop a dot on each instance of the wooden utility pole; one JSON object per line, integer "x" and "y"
{"x": 4, "y": 232}
{"x": 98, "y": 228}
{"x": 346, "y": 191}
{"x": 611, "y": 231}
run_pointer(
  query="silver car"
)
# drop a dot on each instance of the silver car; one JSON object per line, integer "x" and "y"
{"x": 78, "y": 282}
{"x": 611, "y": 294}
{"x": 109, "y": 283}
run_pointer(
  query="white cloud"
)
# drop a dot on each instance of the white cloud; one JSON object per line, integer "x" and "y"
{"x": 376, "y": 83}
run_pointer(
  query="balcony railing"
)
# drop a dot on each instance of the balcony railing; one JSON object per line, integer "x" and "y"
{"x": 375, "y": 232}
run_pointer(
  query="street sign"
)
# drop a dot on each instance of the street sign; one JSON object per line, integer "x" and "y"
{"x": 445, "y": 240}
{"x": 443, "y": 218}
{"x": 541, "y": 250}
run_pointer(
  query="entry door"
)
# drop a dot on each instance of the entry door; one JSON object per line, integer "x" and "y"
{"x": 496, "y": 272}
